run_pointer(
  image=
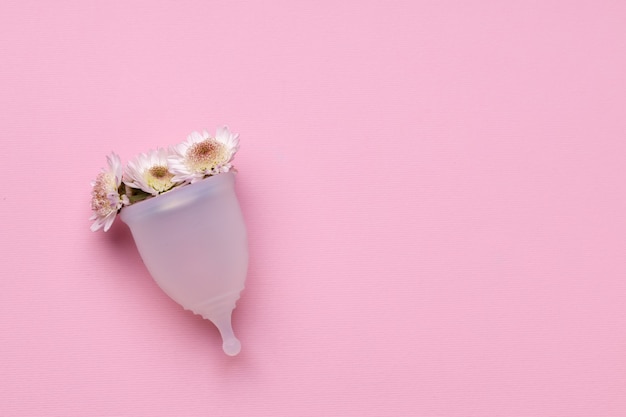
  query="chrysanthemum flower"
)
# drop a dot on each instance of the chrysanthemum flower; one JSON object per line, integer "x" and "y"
{"x": 149, "y": 172}
{"x": 105, "y": 198}
{"x": 202, "y": 155}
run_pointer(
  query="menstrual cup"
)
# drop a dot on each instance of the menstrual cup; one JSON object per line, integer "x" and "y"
{"x": 193, "y": 241}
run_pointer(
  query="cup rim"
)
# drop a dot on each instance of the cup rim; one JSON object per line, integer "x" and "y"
{"x": 178, "y": 197}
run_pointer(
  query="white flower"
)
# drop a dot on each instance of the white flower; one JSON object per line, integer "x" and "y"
{"x": 105, "y": 198}
{"x": 149, "y": 172}
{"x": 202, "y": 155}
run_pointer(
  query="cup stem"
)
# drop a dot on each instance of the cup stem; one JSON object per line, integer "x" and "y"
{"x": 230, "y": 344}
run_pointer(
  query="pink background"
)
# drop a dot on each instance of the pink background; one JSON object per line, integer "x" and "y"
{"x": 434, "y": 191}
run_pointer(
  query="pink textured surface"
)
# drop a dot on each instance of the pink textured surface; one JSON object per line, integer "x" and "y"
{"x": 434, "y": 190}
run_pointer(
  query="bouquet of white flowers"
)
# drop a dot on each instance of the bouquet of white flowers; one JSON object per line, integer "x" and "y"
{"x": 160, "y": 171}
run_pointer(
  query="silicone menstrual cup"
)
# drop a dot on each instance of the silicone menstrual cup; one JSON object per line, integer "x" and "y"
{"x": 193, "y": 242}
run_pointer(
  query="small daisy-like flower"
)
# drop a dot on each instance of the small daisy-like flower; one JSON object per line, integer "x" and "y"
{"x": 105, "y": 198}
{"x": 149, "y": 172}
{"x": 202, "y": 155}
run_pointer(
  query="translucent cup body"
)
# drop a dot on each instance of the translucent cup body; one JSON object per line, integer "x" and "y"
{"x": 193, "y": 242}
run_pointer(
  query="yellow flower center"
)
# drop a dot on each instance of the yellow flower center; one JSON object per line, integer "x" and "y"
{"x": 100, "y": 203}
{"x": 159, "y": 178}
{"x": 206, "y": 155}
{"x": 158, "y": 171}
